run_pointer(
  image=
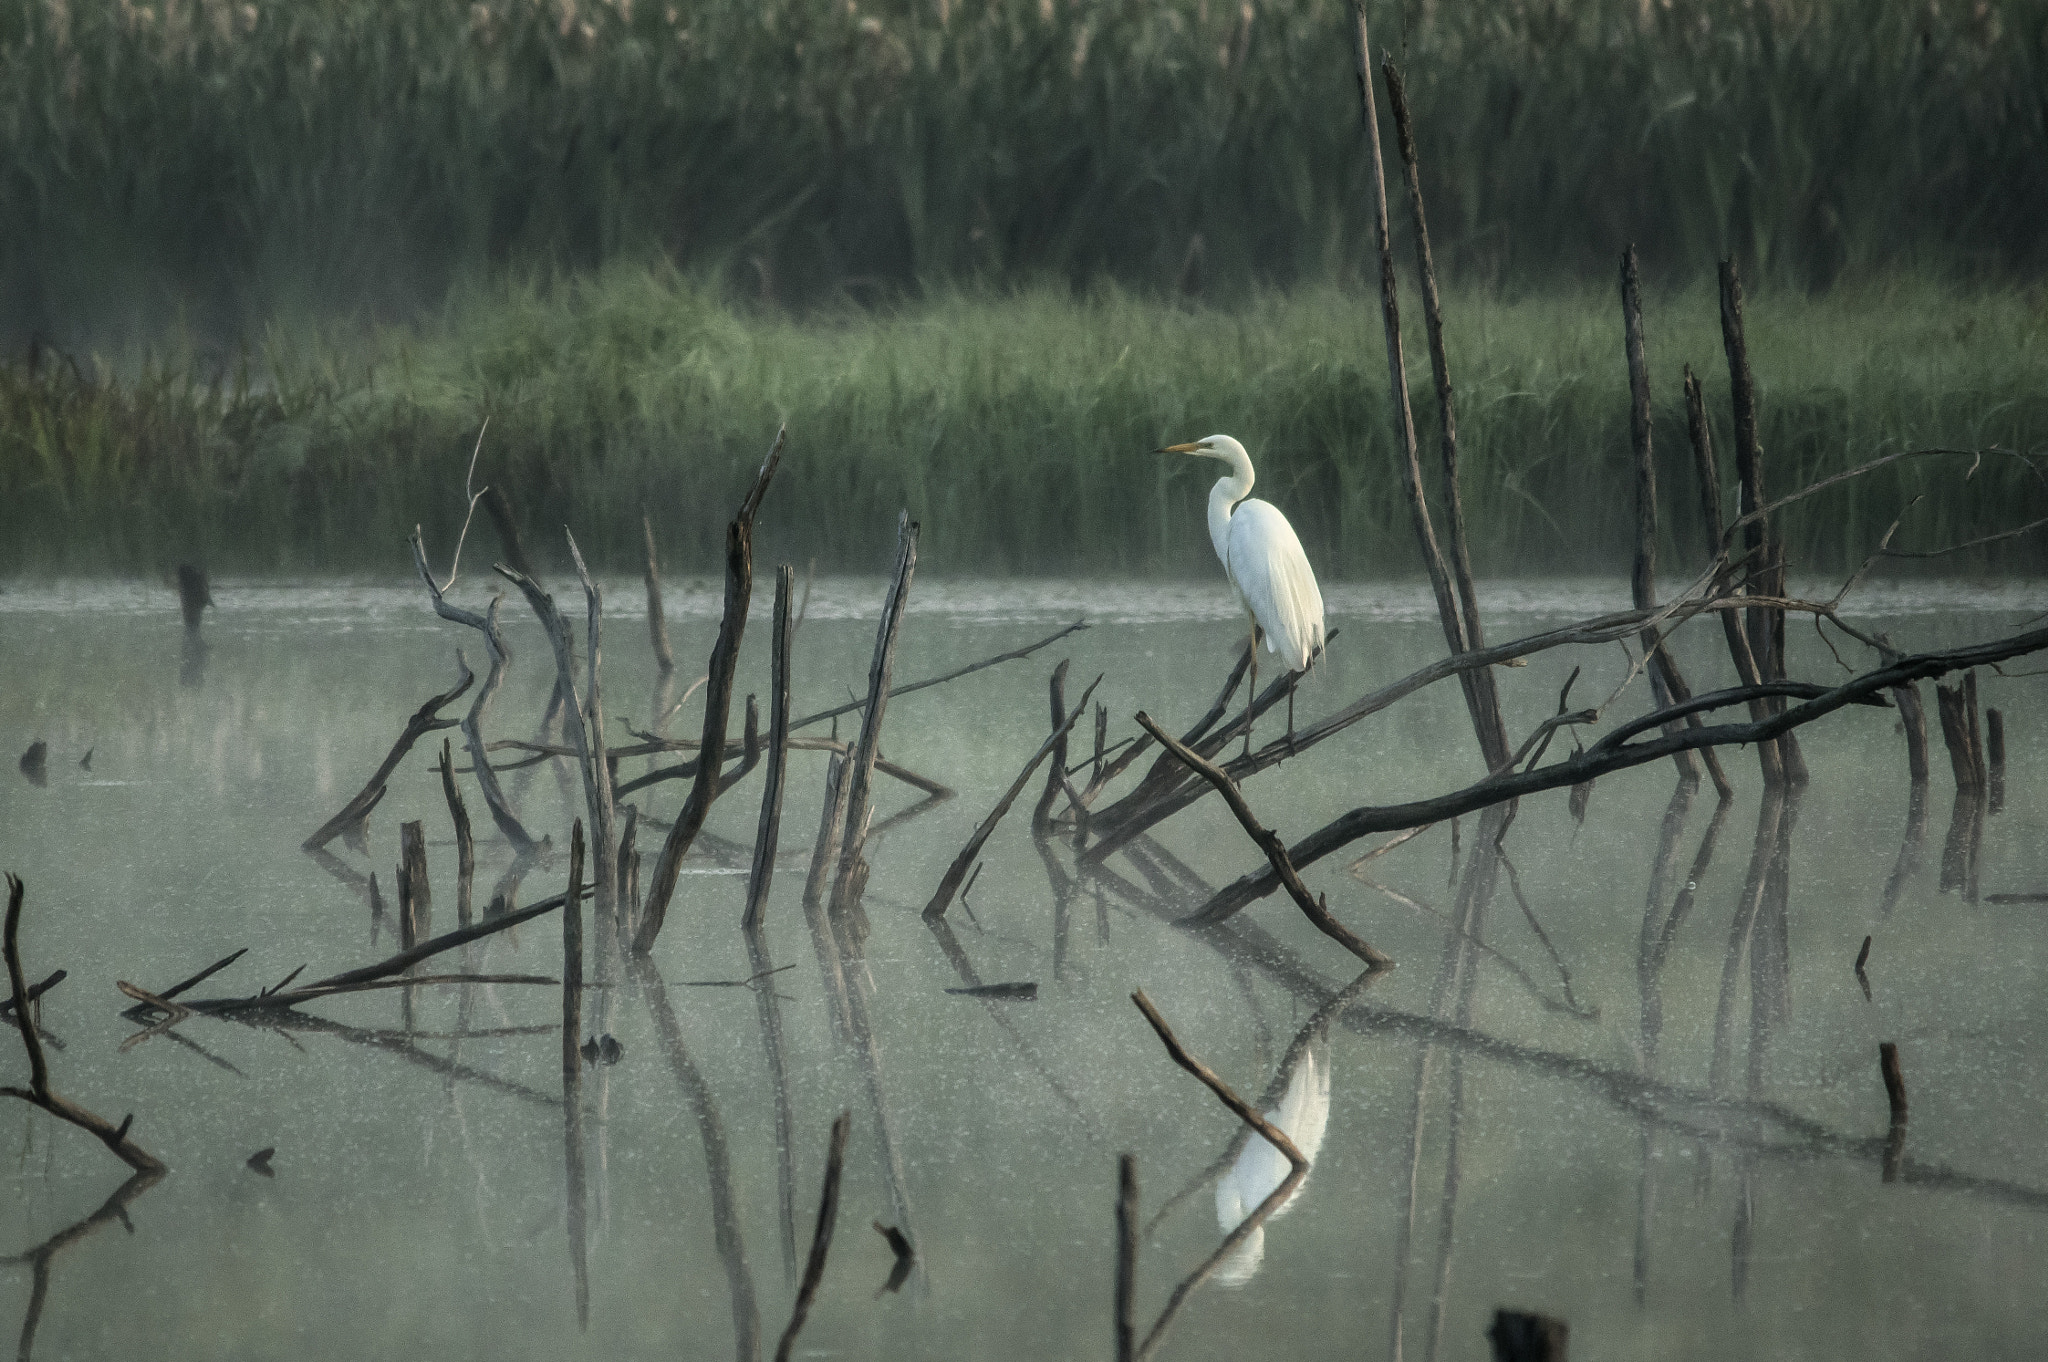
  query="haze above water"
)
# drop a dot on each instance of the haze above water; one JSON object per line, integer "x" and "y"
{"x": 1649, "y": 1103}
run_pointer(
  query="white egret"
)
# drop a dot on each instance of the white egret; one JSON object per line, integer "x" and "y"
{"x": 1262, "y": 557}
{"x": 1303, "y": 1117}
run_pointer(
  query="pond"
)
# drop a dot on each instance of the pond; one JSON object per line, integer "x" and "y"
{"x": 1624, "y": 1072}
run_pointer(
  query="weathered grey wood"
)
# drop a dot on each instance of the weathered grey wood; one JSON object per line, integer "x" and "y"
{"x": 768, "y": 831}
{"x": 1406, "y": 457}
{"x": 909, "y": 686}
{"x": 572, "y": 968}
{"x": 739, "y": 588}
{"x": 860, "y": 764}
{"x": 949, "y": 883}
{"x": 473, "y": 723}
{"x": 426, "y": 719}
{"x": 1056, "y": 774}
{"x": 1666, "y": 681}
{"x": 415, "y": 898}
{"x": 465, "y": 844}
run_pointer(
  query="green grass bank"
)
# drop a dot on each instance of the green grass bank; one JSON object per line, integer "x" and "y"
{"x": 1016, "y": 428}
{"x": 212, "y": 164}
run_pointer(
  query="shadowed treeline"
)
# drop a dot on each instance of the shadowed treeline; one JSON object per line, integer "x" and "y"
{"x": 215, "y": 164}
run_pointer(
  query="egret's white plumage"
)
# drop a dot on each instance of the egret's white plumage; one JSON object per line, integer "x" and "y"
{"x": 1303, "y": 1115}
{"x": 1262, "y": 556}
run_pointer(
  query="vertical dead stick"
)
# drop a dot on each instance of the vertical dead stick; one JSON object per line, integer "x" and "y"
{"x": 597, "y": 767}
{"x": 1667, "y": 683}
{"x": 193, "y": 596}
{"x": 1126, "y": 1253}
{"x": 1405, "y": 455}
{"x": 949, "y": 883}
{"x": 572, "y": 968}
{"x": 725, "y": 656}
{"x": 1994, "y": 733}
{"x": 657, "y": 619}
{"x": 1056, "y": 775}
{"x": 860, "y": 765}
{"x": 1770, "y": 759}
{"x": 825, "y": 851}
{"x": 465, "y": 844}
{"x": 1973, "y": 727}
{"x": 769, "y": 831}
{"x": 1955, "y": 734}
{"x": 1268, "y": 841}
{"x": 1913, "y": 718}
{"x": 821, "y": 1238}
{"x": 472, "y": 723}
{"x": 1894, "y": 1079}
{"x": 1765, "y": 626}
{"x": 1481, "y": 695}
{"x": 415, "y": 900}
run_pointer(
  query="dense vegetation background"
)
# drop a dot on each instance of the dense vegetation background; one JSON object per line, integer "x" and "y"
{"x": 264, "y": 267}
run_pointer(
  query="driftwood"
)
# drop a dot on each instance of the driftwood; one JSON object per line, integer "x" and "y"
{"x": 1314, "y": 909}
{"x": 426, "y": 719}
{"x": 1013, "y": 655}
{"x": 768, "y": 832}
{"x": 499, "y": 654}
{"x": 1614, "y": 752}
{"x": 858, "y": 776}
{"x": 465, "y": 844}
{"x": 1485, "y": 718}
{"x": 580, "y": 719}
{"x": 1485, "y": 701}
{"x": 38, "y": 1092}
{"x": 739, "y": 587}
{"x": 1766, "y": 627}
{"x": 821, "y": 1237}
{"x": 1667, "y": 684}
{"x": 942, "y": 897}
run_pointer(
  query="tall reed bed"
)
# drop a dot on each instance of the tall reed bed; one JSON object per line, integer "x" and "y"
{"x": 1018, "y": 428}
{"x": 206, "y": 162}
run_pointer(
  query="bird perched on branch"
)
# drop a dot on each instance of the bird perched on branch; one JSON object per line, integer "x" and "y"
{"x": 1262, "y": 557}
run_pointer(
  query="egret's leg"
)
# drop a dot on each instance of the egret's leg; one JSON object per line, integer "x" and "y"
{"x": 1251, "y": 695}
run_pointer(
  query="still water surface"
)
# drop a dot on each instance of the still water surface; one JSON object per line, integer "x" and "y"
{"x": 1639, "y": 1091}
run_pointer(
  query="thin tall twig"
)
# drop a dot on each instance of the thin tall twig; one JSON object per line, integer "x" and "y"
{"x": 860, "y": 766}
{"x": 768, "y": 832}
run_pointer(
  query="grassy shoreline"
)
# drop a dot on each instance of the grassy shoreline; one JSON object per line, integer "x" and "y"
{"x": 1015, "y": 427}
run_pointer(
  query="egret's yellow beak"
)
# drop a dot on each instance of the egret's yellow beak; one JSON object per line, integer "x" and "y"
{"x": 1195, "y": 448}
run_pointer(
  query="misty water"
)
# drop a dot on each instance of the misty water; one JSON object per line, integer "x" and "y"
{"x": 1640, "y": 1092}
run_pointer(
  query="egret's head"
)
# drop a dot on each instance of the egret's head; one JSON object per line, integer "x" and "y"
{"x": 1213, "y": 447}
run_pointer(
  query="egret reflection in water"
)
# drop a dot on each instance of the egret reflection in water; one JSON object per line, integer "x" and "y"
{"x": 1303, "y": 1115}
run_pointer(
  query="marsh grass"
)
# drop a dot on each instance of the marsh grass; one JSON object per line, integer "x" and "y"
{"x": 1016, "y": 427}
{"x": 209, "y": 164}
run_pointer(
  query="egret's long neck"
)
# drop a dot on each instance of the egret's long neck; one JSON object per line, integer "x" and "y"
{"x": 1225, "y": 494}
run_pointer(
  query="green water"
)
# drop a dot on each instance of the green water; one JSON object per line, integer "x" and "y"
{"x": 1503, "y": 1127}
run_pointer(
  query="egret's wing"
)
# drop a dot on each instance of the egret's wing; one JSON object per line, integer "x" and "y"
{"x": 1272, "y": 573}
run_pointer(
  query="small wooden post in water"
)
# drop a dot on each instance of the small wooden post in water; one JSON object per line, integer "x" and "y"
{"x": 193, "y": 595}
{"x": 465, "y": 844}
{"x": 1913, "y": 718}
{"x": 1895, "y": 1095}
{"x": 1524, "y": 1336}
{"x": 1126, "y": 1253}
{"x": 415, "y": 902}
